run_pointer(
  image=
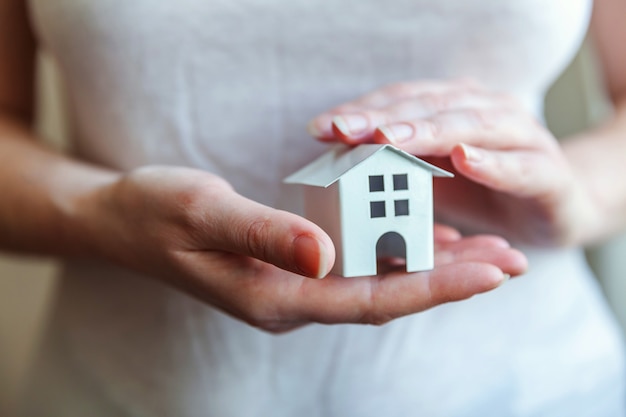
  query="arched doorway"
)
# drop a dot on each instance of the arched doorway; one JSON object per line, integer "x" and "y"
{"x": 390, "y": 245}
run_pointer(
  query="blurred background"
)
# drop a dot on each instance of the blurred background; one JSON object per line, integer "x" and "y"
{"x": 575, "y": 102}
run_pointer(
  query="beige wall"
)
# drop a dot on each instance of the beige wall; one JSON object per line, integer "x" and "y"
{"x": 574, "y": 103}
{"x": 25, "y": 288}
{"x": 26, "y": 284}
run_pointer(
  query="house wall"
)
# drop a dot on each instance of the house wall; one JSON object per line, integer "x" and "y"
{"x": 361, "y": 232}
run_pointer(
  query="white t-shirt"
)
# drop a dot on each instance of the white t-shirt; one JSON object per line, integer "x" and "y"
{"x": 228, "y": 86}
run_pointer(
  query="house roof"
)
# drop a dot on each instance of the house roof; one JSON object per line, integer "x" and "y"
{"x": 332, "y": 165}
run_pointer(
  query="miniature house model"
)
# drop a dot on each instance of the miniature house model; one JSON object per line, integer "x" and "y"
{"x": 374, "y": 201}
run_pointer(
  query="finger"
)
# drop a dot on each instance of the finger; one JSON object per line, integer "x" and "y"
{"x": 321, "y": 126}
{"x": 278, "y": 301}
{"x": 444, "y": 233}
{"x": 377, "y": 300}
{"x": 239, "y": 225}
{"x": 477, "y": 241}
{"x": 511, "y": 262}
{"x": 359, "y": 127}
{"x": 488, "y": 128}
{"x": 472, "y": 265}
{"x": 482, "y": 248}
{"x": 490, "y": 249}
{"x": 521, "y": 173}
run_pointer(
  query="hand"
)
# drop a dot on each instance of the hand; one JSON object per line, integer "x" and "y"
{"x": 191, "y": 230}
{"x": 514, "y": 178}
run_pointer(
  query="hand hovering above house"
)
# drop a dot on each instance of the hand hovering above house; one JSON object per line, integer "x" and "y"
{"x": 513, "y": 177}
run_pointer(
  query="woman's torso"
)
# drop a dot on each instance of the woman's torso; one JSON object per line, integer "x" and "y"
{"x": 228, "y": 86}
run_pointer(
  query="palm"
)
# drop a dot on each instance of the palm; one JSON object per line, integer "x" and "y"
{"x": 473, "y": 206}
{"x": 277, "y": 300}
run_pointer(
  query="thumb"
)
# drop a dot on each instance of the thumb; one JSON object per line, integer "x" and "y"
{"x": 290, "y": 242}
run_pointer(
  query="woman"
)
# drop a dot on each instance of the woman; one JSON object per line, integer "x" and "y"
{"x": 225, "y": 90}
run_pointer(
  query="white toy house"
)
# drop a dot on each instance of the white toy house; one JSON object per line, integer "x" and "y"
{"x": 374, "y": 201}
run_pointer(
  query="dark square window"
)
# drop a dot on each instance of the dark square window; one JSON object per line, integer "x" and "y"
{"x": 377, "y": 209}
{"x": 377, "y": 183}
{"x": 400, "y": 182}
{"x": 402, "y": 207}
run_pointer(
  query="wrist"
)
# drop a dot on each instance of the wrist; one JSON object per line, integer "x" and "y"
{"x": 82, "y": 214}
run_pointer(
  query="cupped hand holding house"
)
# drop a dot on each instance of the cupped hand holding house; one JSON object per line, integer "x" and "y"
{"x": 190, "y": 229}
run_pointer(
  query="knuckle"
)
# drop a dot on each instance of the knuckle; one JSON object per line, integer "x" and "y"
{"x": 397, "y": 88}
{"x": 191, "y": 202}
{"x": 256, "y": 235}
{"x": 404, "y": 90}
{"x": 481, "y": 118}
{"x": 433, "y": 125}
{"x": 432, "y": 102}
{"x": 258, "y": 315}
{"x": 277, "y": 328}
{"x": 372, "y": 308}
{"x": 192, "y": 196}
{"x": 269, "y": 326}
{"x": 437, "y": 102}
{"x": 378, "y": 319}
{"x": 186, "y": 209}
{"x": 188, "y": 199}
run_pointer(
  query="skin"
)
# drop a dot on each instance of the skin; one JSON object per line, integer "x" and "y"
{"x": 190, "y": 229}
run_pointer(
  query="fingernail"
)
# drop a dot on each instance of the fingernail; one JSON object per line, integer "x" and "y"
{"x": 310, "y": 256}
{"x": 471, "y": 153}
{"x": 505, "y": 278}
{"x": 351, "y": 124}
{"x": 397, "y": 133}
